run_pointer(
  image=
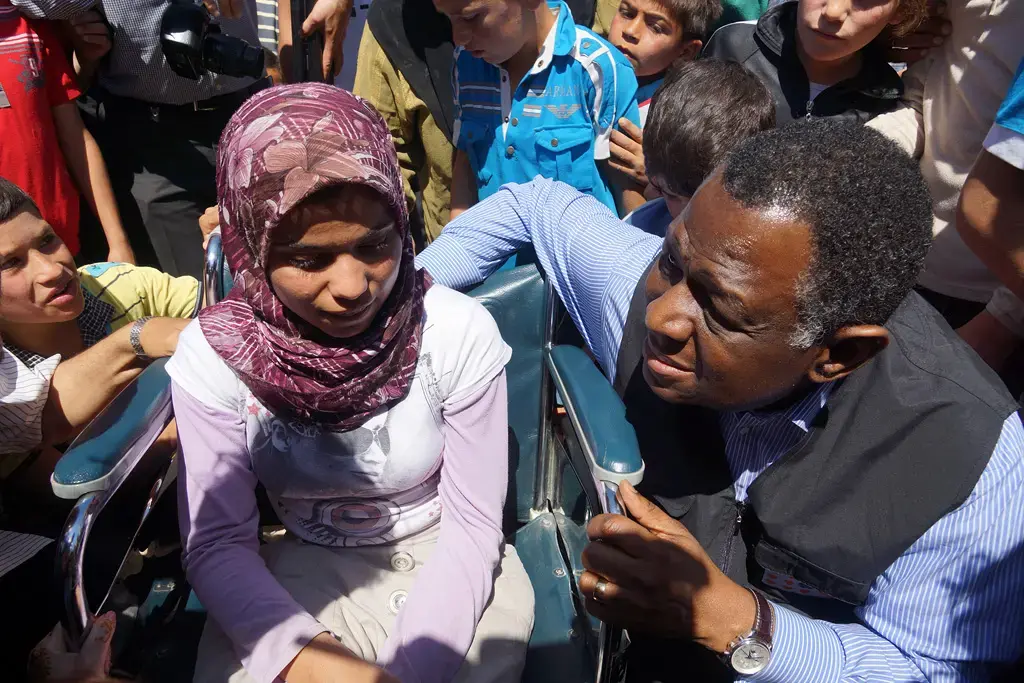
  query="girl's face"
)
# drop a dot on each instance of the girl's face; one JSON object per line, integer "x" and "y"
{"x": 40, "y": 283}
{"x": 831, "y": 30}
{"x": 334, "y": 263}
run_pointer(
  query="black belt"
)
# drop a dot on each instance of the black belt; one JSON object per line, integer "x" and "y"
{"x": 226, "y": 102}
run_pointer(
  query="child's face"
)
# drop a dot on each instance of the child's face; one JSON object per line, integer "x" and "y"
{"x": 830, "y": 30}
{"x": 40, "y": 283}
{"x": 647, "y": 34}
{"x": 491, "y": 30}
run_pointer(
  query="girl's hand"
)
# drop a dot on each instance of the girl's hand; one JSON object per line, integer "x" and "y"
{"x": 325, "y": 660}
{"x": 52, "y": 662}
{"x": 628, "y": 152}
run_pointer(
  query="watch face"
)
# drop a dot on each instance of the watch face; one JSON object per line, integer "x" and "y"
{"x": 750, "y": 658}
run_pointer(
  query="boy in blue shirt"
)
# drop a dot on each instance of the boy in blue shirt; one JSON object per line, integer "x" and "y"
{"x": 535, "y": 95}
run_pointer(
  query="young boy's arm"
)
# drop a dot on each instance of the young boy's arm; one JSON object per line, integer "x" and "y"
{"x": 85, "y": 162}
{"x": 463, "y": 184}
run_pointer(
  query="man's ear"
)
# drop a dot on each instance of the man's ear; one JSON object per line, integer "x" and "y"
{"x": 847, "y": 350}
{"x": 690, "y": 50}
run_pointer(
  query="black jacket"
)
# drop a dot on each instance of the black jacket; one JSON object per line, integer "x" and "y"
{"x": 768, "y": 49}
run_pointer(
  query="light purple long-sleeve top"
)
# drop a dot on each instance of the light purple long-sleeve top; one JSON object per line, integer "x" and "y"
{"x": 219, "y": 526}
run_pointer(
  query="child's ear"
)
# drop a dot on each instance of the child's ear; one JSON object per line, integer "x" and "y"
{"x": 690, "y": 50}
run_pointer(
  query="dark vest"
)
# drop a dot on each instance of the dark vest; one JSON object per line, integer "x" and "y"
{"x": 900, "y": 443}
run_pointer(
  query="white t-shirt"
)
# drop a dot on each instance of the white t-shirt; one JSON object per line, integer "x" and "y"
{"x": 376, "y": 483}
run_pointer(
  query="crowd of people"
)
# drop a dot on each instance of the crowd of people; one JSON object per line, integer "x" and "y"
{"x": 791, "y": 235}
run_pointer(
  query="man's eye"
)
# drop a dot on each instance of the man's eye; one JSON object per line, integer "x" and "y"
{"x": 667, "y": 264}
{"x": 10, "y": 264}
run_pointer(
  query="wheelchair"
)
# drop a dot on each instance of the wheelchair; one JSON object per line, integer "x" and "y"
{"x": 570, "y": 445}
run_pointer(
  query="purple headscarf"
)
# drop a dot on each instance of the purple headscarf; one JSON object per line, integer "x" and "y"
{"x": 280, "y": 147}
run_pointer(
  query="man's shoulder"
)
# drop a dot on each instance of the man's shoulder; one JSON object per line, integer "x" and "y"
{"x": 590, "y": 48}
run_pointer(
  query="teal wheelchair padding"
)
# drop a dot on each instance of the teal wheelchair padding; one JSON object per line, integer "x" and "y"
{"x": 516, "y": 299}
{"x": 600, "y": 411}
{"x": 558, "y": 651}
{"x": 106, "y": 440}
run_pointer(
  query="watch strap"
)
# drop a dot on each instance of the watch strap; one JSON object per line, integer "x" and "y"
{"x": 135, "y": 338}
{"x": 764, "y": 621}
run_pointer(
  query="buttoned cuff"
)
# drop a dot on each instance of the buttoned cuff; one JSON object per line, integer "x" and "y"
{"x": 803, "y": 650}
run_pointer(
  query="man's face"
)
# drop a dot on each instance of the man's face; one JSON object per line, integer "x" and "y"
{"x": 647, "y": 34}
{"x": 38, "y": 275}
{"x": 722, "y": 305}
{"x": 491, "y": 30}
{"x": 830, "y": 30}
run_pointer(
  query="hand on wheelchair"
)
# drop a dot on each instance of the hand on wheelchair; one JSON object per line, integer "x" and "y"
{"x": 647, "y": 573}
{"x": 51, "y": 660}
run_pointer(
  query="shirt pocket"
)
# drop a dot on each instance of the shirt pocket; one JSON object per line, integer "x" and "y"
{"x": 565, "y": 153}
{"x": 476, "y": 138}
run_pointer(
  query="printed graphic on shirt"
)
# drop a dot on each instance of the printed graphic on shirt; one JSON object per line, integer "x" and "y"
{"x": 31, "y": 76}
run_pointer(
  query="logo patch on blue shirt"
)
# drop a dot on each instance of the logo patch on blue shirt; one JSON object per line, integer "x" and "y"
{"x": 562, "y": 111}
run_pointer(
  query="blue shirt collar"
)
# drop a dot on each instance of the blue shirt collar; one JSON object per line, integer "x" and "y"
{"x": 800, "y": 414}
{"x": 564, "y": 31}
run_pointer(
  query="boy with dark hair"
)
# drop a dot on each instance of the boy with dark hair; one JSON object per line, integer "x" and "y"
{"x": 653, "y": 34}
{"x": 820, "y": 58}
{"x": 535, "y": 95}
{"x": 701, "y": 112}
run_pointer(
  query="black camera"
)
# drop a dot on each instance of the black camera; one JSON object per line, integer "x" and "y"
{"x": 193, "y": 44}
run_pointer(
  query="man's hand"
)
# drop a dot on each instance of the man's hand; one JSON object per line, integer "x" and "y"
{"x": 208, "y": 222}
{"x": 628, "y": 152}
{"x": 90, "y": 36}
{"x": 658, "y": 579}
{"x": 51, "y": 661}
{"x": 331, "y": 17}
{"x": 931, "y": 33}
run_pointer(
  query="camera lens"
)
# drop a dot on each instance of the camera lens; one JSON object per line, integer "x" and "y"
{"x": 232, "y": 56}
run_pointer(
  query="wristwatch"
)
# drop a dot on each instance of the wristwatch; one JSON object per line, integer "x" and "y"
{"x": 135, "y": 337}
{"x": 749, "y": 654}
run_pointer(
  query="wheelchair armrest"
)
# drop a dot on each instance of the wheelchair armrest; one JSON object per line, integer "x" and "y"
{"x": 598, "y": 416}
{"x": 111, "y": 445}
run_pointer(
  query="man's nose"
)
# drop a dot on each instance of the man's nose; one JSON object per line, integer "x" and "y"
{"x": 671, "y": 315}
{"x": 47, "y": 271}
{"x": 632, "y": 29}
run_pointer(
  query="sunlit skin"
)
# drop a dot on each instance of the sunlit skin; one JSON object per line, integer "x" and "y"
{"x": 334, "y": 262}
{"x": 493, "y": 30}
{"x": 830, "y": 33}
{"x": 722, "y": 306}
{"x": 675, "y": 203}
{"x": 651, "y": 39}
{"x": 38, "y": 279}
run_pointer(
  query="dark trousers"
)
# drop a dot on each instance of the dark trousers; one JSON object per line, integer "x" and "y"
{"x": 162, "y": 163}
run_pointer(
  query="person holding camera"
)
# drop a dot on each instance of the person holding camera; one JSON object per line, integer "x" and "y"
{"x": 160, "y": 101}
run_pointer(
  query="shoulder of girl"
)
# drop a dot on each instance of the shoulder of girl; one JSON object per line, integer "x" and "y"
{"x": 452, "y": 315}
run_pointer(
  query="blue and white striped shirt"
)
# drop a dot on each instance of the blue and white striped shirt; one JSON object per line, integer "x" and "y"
{"x": 949, "y": 609}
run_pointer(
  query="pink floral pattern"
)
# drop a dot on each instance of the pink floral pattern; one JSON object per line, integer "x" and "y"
{"x": 280, "y": 147}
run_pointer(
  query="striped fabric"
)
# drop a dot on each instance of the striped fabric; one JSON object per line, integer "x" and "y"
{"x": 136, "y": 66}
{"x": 23, "y": 393}
{"x": 266, "y": 24}
{"x": 17, "y": 548}
{"x": 953, "y": 601}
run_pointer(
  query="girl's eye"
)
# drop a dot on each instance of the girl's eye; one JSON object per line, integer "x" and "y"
{"x": 308, "y": 262}
{"x": 10, "y": 264}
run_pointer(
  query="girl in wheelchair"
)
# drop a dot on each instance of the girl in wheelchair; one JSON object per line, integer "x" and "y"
{"x": 369, "y": 404}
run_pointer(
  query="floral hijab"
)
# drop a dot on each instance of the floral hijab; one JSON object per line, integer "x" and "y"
{"x": 281, "y": 146}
